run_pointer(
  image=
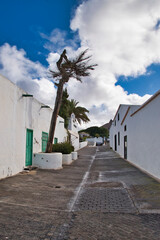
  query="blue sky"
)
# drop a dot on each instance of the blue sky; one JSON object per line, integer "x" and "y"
{"x": 22, "y": 21}
{"x": 123, "y": 38}
{"x": 146, "y": 83}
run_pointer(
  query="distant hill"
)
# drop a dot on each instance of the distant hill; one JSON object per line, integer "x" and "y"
{"x": 93, "y": 131}
{"x": 107, "y": 125}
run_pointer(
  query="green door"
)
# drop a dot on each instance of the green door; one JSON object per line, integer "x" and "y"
{"x": 29, "y": 147}
{"x": 44, "y": 141}
{"x": 55, "y": 140}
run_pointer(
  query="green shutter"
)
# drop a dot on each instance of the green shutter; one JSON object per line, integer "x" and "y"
{"x": 55, "y": 140}
{"x": 44, "y": 141}
{"x": 29, "y": 147}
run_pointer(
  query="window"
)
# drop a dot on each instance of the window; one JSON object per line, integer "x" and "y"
{"x": 115, "y": 122}
{"x": 125, "y": 128}
{"x": 55, "y": 140}
{"x": 118, "y": 138}
{"x": 118, "y": 116}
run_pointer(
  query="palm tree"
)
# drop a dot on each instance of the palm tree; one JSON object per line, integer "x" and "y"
{"x": 79, "y": 112}
{"x": 70, "y": 106}
{"x": 64, "y": 109}
{"x": 76, "y": 68}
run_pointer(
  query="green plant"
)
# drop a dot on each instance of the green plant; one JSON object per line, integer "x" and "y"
{"x": 64, "y": 148}
{"x": 97, "y": 135}
{"x": 70, "y": 106}
{"x": 84, "y": 138}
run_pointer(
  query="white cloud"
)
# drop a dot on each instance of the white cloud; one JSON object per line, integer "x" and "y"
{"x": 52, "y": 59}
{"x": 124, "y": 40}
{"x": 57, "y": 40}
{"x": 30, "y": 76}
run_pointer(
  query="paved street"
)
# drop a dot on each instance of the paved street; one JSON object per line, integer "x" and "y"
{"x": 98, "y": 197}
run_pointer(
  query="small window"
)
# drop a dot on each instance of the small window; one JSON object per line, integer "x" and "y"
{"x": 118, "y": 138}
{"x": 55, "y": 140}
{"x": 115, "y": 122}
{"x": 118, "y": 116}
{"x": 125, "y": 128}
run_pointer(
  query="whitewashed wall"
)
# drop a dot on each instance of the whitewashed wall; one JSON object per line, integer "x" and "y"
{"x": 144, "y": 141}
{"x": 12, "y": 128}
{"x": 60, "y": 131}
{"x": 83, "y": 144}
{"x": 143, "y": 135}
{"x": 73, "y": 130}
{"x": 117, "y": 127}
{"x": 95, "y": 139}
{"x": 17, "y": 114}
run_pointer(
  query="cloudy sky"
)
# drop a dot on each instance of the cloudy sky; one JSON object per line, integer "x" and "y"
{"x": 123, "y": 37}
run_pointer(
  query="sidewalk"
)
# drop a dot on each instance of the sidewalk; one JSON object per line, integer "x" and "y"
{"x": 99, "y": 196}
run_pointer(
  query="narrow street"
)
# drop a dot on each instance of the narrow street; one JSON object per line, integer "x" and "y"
{"x": 100, "y": 196}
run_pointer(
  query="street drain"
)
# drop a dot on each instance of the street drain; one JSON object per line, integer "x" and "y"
{"x": 105, "y": 200}
{"x": 57, "y": 186}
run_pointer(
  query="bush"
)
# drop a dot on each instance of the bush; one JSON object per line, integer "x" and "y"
{"x": 64, "y": 148}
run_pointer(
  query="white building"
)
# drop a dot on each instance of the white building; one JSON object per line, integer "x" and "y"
{"x": 135, "y": 134}
{"x": 73, "y": 131}
{"x": 24, "y": 127}
{"x": 95, "y": 141}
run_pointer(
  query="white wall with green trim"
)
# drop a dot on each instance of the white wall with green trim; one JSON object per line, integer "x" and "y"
{"x": 17, "y": 114}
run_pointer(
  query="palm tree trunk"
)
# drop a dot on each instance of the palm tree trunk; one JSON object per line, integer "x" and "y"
{"x": 54, "y": 116}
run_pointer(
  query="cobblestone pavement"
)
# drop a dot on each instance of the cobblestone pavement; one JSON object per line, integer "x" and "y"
{"x": 99, "y": 196}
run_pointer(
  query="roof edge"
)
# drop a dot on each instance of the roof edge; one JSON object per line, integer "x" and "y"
{"x": 147, "y": 102}
{"x": 125, "y": 115}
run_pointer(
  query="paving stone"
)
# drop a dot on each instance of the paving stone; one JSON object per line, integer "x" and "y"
{"x": 105, "y": 200}
{"x": 115, "y": 226}
{"x": 33, "y": 208}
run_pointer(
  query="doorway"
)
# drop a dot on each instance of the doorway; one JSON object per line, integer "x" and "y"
{"x": 115, "y": 142}
{"x": 125, "y": 147}
{"x": 29, "y": 147}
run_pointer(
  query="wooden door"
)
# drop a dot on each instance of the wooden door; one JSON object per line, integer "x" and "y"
{"x": 29, "y": 147}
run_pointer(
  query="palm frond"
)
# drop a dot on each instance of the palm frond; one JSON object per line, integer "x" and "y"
{"x": 76, "y": 68}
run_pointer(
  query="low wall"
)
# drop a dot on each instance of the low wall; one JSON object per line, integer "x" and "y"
{"x": 92, "y": 144}
{"x": 48, "y": 160}
{"x": 83, "y": 144}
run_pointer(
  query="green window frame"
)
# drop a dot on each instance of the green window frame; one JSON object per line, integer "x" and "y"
{"x": 44, "y": 141}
